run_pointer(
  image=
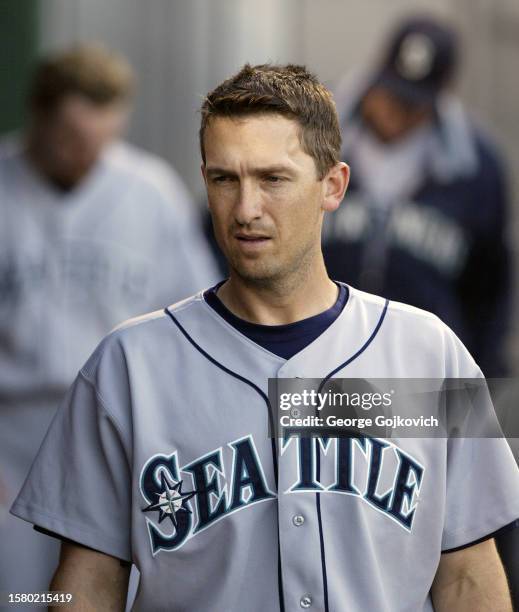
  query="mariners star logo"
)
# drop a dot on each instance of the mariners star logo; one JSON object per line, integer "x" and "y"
{"x": 170, "y": 501}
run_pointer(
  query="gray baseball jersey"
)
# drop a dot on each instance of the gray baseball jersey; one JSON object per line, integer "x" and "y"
{"x": 74, "y": 265}
{"x": 160, "y": 455}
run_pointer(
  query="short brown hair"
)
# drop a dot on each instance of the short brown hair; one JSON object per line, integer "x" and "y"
{"x": 102, "y": 76}
{"x": 288, "y": 90}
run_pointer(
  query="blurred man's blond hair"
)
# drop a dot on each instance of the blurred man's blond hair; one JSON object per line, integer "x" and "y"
{"x": 90, "y": 70}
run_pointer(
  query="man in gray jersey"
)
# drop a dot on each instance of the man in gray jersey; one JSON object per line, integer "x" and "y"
{"x": 165, "y": 432}
{"x": 92, "y": 231}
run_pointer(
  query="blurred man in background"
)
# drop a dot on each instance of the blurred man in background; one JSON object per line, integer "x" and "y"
{"x": 92, "y": 231}
{"x": 424, "y": 222}
{"x": 426, "y": 212}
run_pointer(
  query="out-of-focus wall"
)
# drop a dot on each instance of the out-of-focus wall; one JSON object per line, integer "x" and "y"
{"x": 18, "y": 44}
{"x": 339, "y": 34}
{"x": 182, "y": 48}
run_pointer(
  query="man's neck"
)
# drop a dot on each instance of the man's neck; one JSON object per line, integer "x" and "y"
{"x": 279, "y": 303}
{"x": 37, "y": 158}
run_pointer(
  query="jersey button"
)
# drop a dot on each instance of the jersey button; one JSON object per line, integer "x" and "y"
{"x": 306, "y": 601}
{"x": 298, "y": 520}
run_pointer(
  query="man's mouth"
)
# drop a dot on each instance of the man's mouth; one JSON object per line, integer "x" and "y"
{"x": 252, "y": 237}
{"x": 252, "y": 243}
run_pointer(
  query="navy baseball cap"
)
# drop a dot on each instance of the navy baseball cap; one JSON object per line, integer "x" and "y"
{"x": 420, "y": 59}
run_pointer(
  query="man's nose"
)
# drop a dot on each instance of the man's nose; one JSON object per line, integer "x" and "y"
{"x": 248, "y": 204}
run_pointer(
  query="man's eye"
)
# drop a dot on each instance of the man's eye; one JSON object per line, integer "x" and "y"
{"x": 221, "y": 179}
{"x": 272, "y": 178}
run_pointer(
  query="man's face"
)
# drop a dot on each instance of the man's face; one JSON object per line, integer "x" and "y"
{"x": 389, "y": 117}
{"x": 73, "y": 136}
{"x": 264, "y": 196}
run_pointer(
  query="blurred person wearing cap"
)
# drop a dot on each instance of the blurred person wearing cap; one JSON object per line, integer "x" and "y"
{"x": 93, "y": 231}
{"x": 425, "y": 216}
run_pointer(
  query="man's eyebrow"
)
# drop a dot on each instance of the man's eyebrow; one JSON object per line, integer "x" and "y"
{"x": 275, "y": 169}
{"x": 214, "y": 170}
{"x": 259, "y": 171}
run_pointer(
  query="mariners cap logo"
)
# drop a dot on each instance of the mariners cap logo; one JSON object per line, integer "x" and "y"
{"x": 416, "y": 57}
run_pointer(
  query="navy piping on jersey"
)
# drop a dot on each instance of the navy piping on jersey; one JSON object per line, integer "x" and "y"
{"x": 270, "y": 415}
{"x": 283, "y": 340}
{"x": 230, "y": 372}
{"x": 360, "y": 351}
{"x": 214, "y": 361}
{"x": 321, "y": 534}
{"x": 318, "y": 462}
{"x": 269, "y": 408}
{"x": 494, "y": 534}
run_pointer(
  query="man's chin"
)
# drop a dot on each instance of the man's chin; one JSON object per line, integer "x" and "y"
{"x": 256, "y": 272}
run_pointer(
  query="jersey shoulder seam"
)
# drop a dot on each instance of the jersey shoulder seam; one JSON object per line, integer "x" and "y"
{"x": 365, "y": 297}
{"x": 407, "y": 309}
{"x": 186, "y": 303}
{"x": 154, "y": 316}
{"x": 103, "y": 404}
{"x": 137, "y": 321}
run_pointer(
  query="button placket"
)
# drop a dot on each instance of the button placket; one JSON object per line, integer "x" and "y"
{"x": 296, "y": 512}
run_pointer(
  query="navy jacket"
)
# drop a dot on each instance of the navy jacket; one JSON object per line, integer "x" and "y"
{"x": 443, "y": 250}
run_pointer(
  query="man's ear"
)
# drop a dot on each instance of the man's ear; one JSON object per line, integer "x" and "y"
{"x": 335, "y": 184}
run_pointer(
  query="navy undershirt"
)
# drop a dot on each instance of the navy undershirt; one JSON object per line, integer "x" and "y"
{"x": 282, "y": 340}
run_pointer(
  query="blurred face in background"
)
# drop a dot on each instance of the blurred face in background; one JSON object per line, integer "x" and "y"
{"x": 389, "y": 117}
{"x": 264, "y": 195}
{"x": 66, "y": 142}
